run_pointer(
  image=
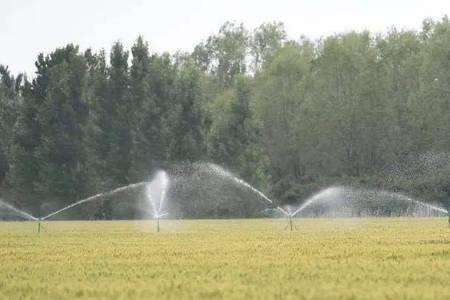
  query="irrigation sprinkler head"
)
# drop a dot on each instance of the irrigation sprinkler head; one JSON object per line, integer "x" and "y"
{"x": 39, "y": 224}
{"x": 158, "y": 216}
{"x": 289, "y": 214}
{"x": 290, "y": 224}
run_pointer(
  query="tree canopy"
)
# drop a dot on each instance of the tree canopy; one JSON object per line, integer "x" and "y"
{"x": 289, "y": 116}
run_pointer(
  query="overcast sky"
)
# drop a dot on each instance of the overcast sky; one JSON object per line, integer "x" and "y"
{"x": 28, "y": 27}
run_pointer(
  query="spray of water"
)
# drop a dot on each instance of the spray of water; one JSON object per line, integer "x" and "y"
{"x": 16, "y": 211}
{"x": 224, "y": 173}
{"x": 339, "y": 194}
{"x": 328, "y": 192}
{"x": 419, "y": 203}
{"x": 284, "y": 211}
{"x": 96, "y": 197}
{"x": 156, "y": 191}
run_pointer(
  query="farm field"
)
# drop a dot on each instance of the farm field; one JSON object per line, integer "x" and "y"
{"x": 372, "y": 258}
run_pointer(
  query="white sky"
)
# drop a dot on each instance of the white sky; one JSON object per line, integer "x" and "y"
{"x": 28, "y": 27}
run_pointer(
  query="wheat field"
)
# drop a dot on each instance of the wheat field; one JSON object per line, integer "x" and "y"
{"x": 375, "y": 258}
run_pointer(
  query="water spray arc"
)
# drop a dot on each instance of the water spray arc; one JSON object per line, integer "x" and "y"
{"x": 21, "y": 213}
{"x": 17, "y": 212}
{"x": 94, "y": 197}
{"x": 89, "y": 199}
{"x": 222, "y": 172}
{"x": 334, "y": 193}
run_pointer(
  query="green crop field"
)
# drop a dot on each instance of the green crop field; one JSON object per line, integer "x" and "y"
{"x": 404, "y": 258}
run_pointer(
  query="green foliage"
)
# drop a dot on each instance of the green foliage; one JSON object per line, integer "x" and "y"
{"x": 23, "y": 170}
{"x": 62, "y": 117}
{"x": 264, "y": 42}
{"x": 9, "y": 99}
{"x": 285, "y": 108}
{"x": 151, "y": 134}
{"x": 186, "y": 116}
{"x": 288, "y": 116}
{"x": 119, "y": 137}
{"x": 233, "y": 140}
{"x": 224, "y": 54}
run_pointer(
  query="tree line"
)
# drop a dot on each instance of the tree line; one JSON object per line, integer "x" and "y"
{"x": 289, "y": 116}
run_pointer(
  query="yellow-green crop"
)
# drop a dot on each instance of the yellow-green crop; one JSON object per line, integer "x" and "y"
{"x": 405, "y": 258}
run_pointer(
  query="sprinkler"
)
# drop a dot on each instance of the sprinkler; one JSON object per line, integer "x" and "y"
{"x": 289, "y": 215}
{"x": 39, "y": 219}
{"x": 39, "y": 225}
{"x": 290, "y": 223}
{"x": 157, "y": 224}
{"x": 157, "y": 216}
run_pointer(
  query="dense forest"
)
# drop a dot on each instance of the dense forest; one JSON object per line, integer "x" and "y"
{"x": 289, "y": 116}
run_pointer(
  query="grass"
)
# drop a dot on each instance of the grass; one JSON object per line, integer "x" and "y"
{"x": 401, "y": 258}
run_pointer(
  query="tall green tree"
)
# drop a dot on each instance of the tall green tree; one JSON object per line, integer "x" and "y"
{"x": 151, "y": 135}
{"x": 234, "y": 137}
{"x": 285, "y": 106}
{"x": 24, "y": 167}
{"x": 350, "y": 83}
{"x": 224, "y": 54}
{"x": 62, "y": 117}
{"x": 99, "y": 123}
{"x": 9, "y": 105}
{"x": 264, "y": 42}
{"x": 141, "y": 95}
{"x": 401, "y": 53}
{"x": 186, "y": 117}
{"x": 432, "y": 103}
{"x": 118, "y": 118}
